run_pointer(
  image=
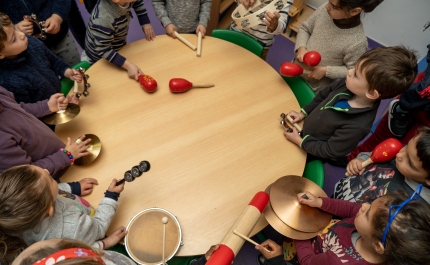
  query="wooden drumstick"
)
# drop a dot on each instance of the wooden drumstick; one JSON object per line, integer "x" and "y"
{"x": 248, "y": 239}
{"x": 199, "y": 45}
{"x": 164, "y": 220}
{"x": 294, "y": 124}
{"x": 186, "y": 42}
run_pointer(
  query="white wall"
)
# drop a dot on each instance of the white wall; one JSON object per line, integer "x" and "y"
{"x": 396, "y": 22}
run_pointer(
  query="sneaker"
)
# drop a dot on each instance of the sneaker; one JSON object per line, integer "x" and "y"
{"x": 261, "y": 259}
{"x": 397, "y": 119}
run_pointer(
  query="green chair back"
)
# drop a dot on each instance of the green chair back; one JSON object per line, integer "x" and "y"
{"x": 66, "y": 83}
{"x": 302, "y": 91}
{"x": 315, "y": 171}
{"x": 240, "y": 39}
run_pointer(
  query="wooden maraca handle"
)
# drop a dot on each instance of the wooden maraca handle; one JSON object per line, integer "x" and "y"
{"x": 203, "y": 85}
{"x": 186, "y": 42}
{"x": 294, "y": 124}
{"x": 363, "y": 165}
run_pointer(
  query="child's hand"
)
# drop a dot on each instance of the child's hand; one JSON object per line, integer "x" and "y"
{"x": 87, "y": 185}
{"x": 132, "y": 70}
{"x": 300, "y": 53}
{"x": 293, "y": 136}
{"x": 271, "y": 20}
{"x": 53, "y": 24}
{"x": 149, "y": 32}
{"x": 355, "y": 167}
{"x": 114, "y": 188}
{"x": 202, "y": 29}
{"x": 312, "y": 200}
{"x": 275, "y": 249}
{"x": 72, "y": 98}
{"x": 73, "y": 74}
{"x": 246, "y": 3}
{"x": 78, "y": 149}
{"x": 296, "y": 116}
{"x": 25, "y": 26}
{"x": 115, "y": 237}
{"x": 318, "y": 72}
{"x": 211, "y": 251}
{"x": 170, "y": 29}
{"x": 57, "y": 102}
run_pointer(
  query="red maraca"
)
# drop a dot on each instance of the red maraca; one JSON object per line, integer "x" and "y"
{"x": 383, "y": 152}
{"x": 291, "y": 69}
{"x": 312, "y": 58}
{"x": 147, "y": 83}
{"x": 179, "y": 85}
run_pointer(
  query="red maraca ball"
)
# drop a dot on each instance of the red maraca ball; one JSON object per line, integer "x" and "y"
{"x": 290, "y": 69}
{"x": 312, "y": 58}
{"x": 178, "y": 85}
{"x": 148, "y": 83}
{"x": 386, "y": 150}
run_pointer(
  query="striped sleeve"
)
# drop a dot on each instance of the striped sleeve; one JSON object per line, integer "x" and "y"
{"x": 142, "y": 14}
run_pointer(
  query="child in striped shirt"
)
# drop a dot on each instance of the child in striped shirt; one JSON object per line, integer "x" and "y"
{"x": 107, "y": 32}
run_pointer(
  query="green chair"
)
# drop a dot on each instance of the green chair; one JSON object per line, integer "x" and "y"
{"x": 304, "y": 94}
{"x": 66, "y": 83}
{"x": 240, "y": 39}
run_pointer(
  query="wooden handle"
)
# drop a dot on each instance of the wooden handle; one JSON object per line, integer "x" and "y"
{"x": 185, "y": 41}
{"x": 294, "y": 124}
{"x": 164, "y": 244}
{"x": 76, "y": 87}
{"x": 248, "y": 239}
{"x": 363, "y": 165}
{"x": 199, "y": 44}
{"x": 306, "y": 72}
{"x": 204, "y": 85}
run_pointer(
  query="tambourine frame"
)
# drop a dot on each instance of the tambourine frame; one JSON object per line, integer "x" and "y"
{"x": 243, "y": 21}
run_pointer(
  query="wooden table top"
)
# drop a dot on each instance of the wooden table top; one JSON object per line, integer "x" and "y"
{"x": 210, "y": 149}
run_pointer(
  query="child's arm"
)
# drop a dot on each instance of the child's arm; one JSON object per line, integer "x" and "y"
{"x": 276, "y": 22}
{"x": 305, "y": 32}
{"x": 80, "y": 188}
{"x": 307, "y": 256}
{"x": 341, "y": 208}
{"x": 161, "y": 12}
{"x": 205, "y": 12}
{"x": 61, "y": 10}
{"x": 142, "y": 16}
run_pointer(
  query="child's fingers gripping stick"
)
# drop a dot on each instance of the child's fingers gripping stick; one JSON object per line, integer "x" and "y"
{"x": 274, "y": 249}
{"x": 114, "y": 188}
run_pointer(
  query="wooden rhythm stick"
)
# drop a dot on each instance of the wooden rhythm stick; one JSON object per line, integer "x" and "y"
{"x": 231, "y": 244}
{"x": 294, "y": 124}
{"x": 383, "y": 152}
{"x": 164, "y": 220}
{"x": 199, "y": 45}
{"x": 248, "y": 239}
{"x": 186, "y": 42}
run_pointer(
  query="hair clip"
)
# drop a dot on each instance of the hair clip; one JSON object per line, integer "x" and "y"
{"x": 40, "y": 24}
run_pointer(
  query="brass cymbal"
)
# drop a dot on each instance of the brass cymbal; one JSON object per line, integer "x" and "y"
{"x": 61, "y": 117}
{"x": 94, "y": 149}
{"x": 283, "y": 199}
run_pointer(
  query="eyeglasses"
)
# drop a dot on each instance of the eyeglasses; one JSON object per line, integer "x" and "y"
{"x": 396, "y": 208}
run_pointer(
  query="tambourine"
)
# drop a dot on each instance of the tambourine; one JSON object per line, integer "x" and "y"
{"x": 87, "y": 85}
{"x": 243, "y": 20}
{"x": 40, "y": 24}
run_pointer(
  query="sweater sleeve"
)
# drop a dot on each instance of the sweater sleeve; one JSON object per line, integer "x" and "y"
{"x": 142, "y": 14}
{"x": 205, "y": 12}
{"x": 61, "y": 8}
{"x": 38, "y": 109}
{"x": 343, "y": 141}
{"x": 341, "y": 208}
{"x": 161, "y": 12}
{"x": 90, "y": 229}
{"x": 305, "y": 31}
{"x": 282, "y": 21}
{"x": 307, "y": 255}
{"x": 352, "y": 54}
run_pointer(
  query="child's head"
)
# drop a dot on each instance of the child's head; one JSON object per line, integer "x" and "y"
{"x": 383, "y": 72}
{"x": 12, "y": 41}
{"x": 408, "y": 235}
{"x": 51, "y": 247}
{"x": 10, "y": 248}
{"x": 341, "y": 9}
{"x": 27, "y": 195}
{"x": 413, "y": 160}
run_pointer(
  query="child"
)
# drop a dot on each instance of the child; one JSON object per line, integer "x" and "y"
{"x": 107, "y": 32}
{"x": 29, "y": 70}
{"x": 274, "y": 24}
{"x": 70, "y": 249}
{"x": 26, "y": 140}
{"x": 43, "y": 214}
{"x": 55, "y": 14}
{"x": 341, "y": 115}
{"x": 410, "y": 168}
{"x": 336, "y": 32}
{"x": 183, "y": 16}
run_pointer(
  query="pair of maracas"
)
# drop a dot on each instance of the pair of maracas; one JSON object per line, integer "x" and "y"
{"x": 311, "y": 58}
{"x": 176, "y": 85}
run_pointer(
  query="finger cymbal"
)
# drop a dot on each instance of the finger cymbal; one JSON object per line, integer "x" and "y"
{"x": 283, "y": 199}
{"x": 94, "y": 149}
{"x": 61, "y": 116}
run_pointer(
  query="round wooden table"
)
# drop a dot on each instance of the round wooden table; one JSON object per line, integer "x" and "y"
{"x": 210, "y": 149}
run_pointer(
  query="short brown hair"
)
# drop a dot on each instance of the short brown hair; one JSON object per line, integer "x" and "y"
{"x": 408, "y": 238}
{"x": 4, "y": 21}
{"x": 24, "y": 199}
{"x": 389, "y": 70}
